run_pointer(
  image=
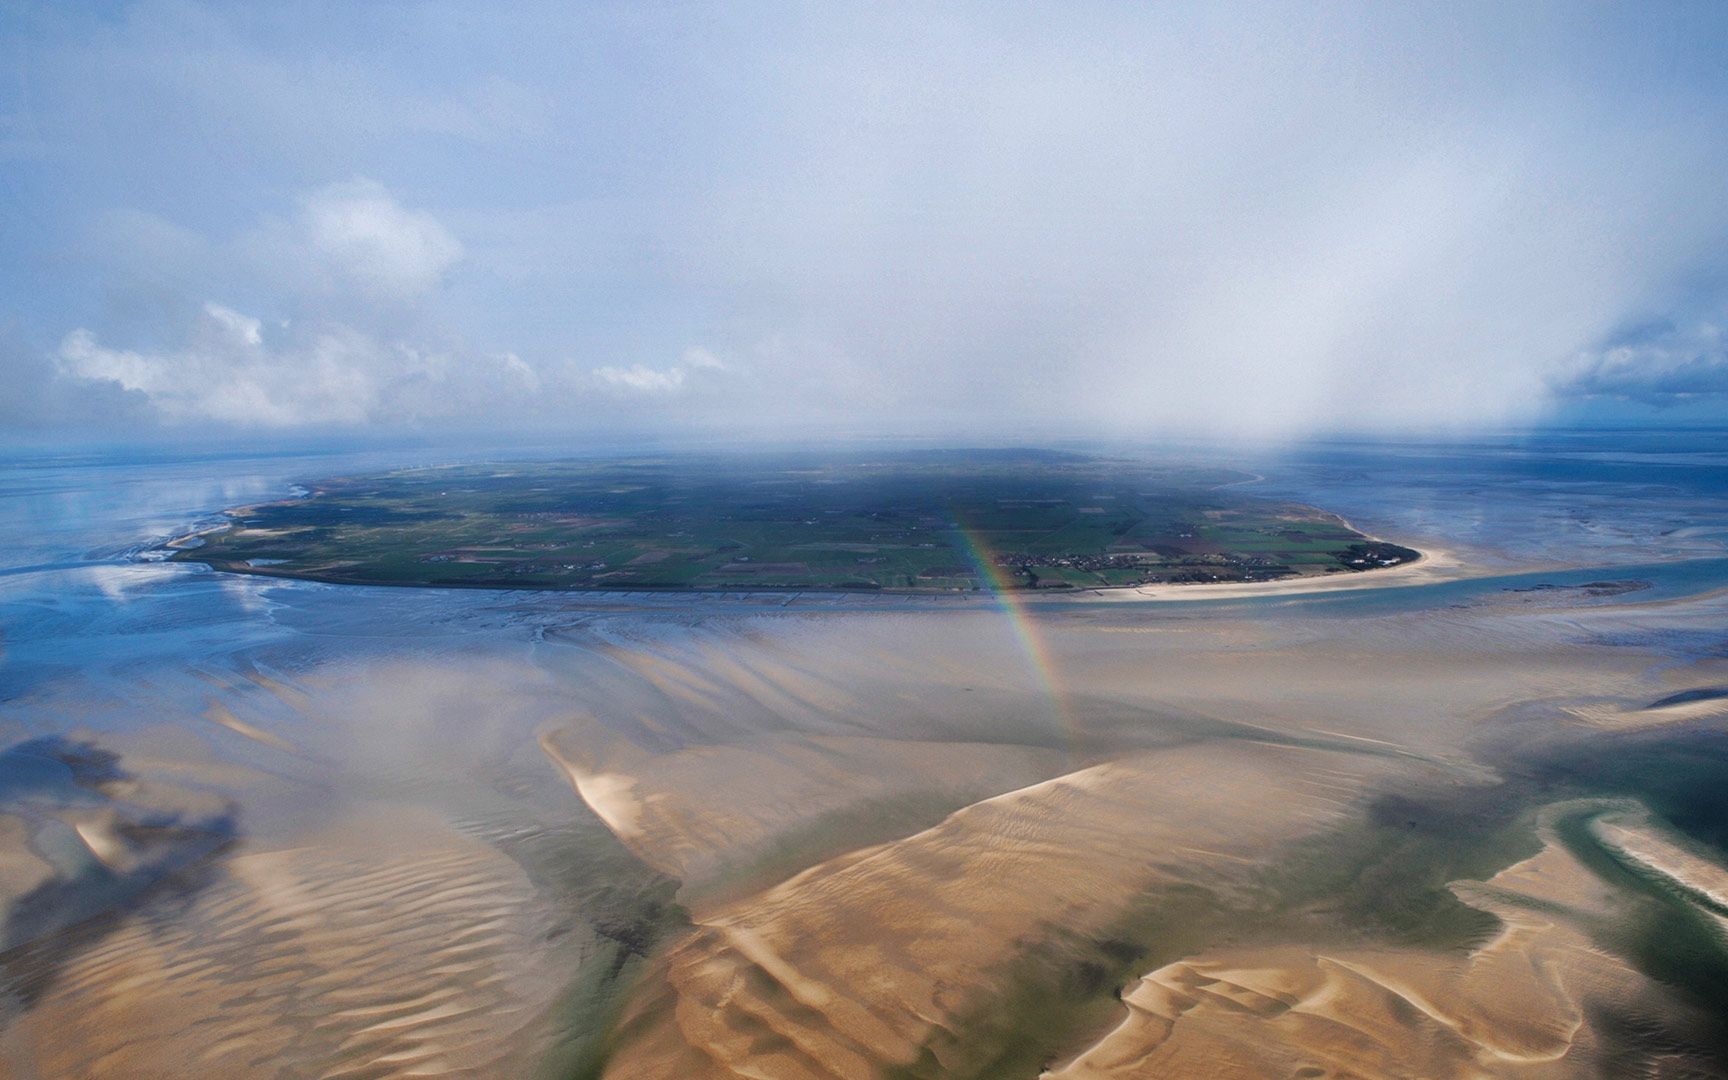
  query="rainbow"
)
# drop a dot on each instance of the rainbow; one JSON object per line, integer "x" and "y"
{"x": 1004, "y": 591}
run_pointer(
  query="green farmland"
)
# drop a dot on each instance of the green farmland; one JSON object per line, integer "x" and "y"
{"x": 924, "y": 522}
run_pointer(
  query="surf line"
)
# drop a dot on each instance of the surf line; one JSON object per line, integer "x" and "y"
{"x": 998, "y": 581}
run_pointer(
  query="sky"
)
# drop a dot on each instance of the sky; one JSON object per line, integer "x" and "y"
{"x": 791, "y": 220}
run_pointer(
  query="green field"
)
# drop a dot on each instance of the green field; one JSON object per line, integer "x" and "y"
{"x": 926, "y": 522}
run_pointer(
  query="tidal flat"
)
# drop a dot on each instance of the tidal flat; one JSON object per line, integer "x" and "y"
{"x": 1454, "y": 826}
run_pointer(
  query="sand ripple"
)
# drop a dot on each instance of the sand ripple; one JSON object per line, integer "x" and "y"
{"x": 424, "y": 963}
{"x": 884, "y": 957}
{"x": 1519, "y": 1006}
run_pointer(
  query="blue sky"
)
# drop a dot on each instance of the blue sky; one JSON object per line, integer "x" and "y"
{"x": 788, "y": 220}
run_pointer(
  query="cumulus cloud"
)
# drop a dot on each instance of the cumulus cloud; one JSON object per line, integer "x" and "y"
{"x": 334, "y": 363}
{"x": 352, "y": 237}
{"x": 341, "y": 273}
{"x": 641, "y": 378}
{"x": 364, "y": 237}
{"x": 231, "y": 369}
{"x": 356, "y": 280}
{"x": 699, "y": 359}
{"x": 225, "y": 372}
{"x": 638, "y": 377}
{"x": 1662, "y": 365}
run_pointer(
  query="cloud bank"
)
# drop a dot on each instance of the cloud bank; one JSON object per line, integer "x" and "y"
{"x": 1264, "y": 220}
{"x": 1662, "y": 365}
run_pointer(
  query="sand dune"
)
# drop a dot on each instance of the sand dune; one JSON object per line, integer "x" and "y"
{"x": 1640, "y": 842}
{"x": 894, "y": 955}
{"x": 1525, "y": 1004}
{"x": 702, "y": 810}
{"x": 1622, "y": 717}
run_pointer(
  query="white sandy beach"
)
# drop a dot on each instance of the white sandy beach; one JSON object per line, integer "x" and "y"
{"x": 1435, "y": 565}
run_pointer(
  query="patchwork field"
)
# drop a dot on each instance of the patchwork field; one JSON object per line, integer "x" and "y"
{"x": 907, "y": 522}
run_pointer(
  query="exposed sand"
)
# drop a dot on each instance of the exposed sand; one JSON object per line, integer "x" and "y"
{"x": 900, "y": 952}
{"x": 798, "y": 773}
{"x": 669, "y": 809}
{"x": 331, "y": 960}
{"x": 1435, "y": 565}
{"x": 1642, "y": 843}
{"x": 888, "y": 955}
{"x": 1617, "y": 716}
{"x": 221, "y": 714}
{"x": 1518, "y": 1006}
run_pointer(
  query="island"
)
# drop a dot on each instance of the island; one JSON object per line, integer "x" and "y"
{"x": 950, "y": 521}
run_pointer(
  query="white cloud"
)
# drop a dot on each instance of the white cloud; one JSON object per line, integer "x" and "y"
{"x": 350, "y": 246}
{"x": 697, "y": 358}
{"x": 223, "y": 371}
{"x": 1663, "y": 364}
{"x": 362, "y": 236}
{"x": 520, "y": 370}
{"x": 345, "y": 359}
{"x": 232, "y": 369}
{"x": 233, "y": 326}
{"x": 641, "y": 378}
{"x": 227, "y": 370}
{"x": 352, "y": 265}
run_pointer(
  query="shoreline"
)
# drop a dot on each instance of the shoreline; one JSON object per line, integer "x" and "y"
{"x": 1431, "y": 566}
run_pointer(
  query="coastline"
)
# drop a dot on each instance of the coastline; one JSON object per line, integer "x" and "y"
{"x": 1431, "y": 566}
{"x": 1427, "y": 565}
